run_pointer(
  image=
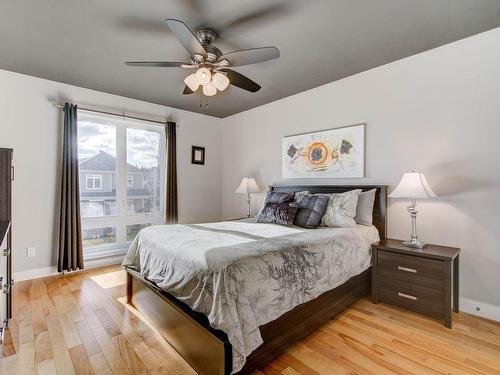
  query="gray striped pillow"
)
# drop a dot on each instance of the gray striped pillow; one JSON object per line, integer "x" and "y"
{"x": 312, "y": 207}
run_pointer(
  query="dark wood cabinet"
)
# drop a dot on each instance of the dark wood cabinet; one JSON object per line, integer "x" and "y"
{"x": 6, "y": 177}
{"x": 421, "y": 280}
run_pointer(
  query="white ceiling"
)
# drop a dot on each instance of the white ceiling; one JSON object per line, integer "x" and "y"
{"x": 85, "y": 43}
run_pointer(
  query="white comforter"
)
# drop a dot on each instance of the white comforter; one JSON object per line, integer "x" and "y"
{"x": 243, "y": 274}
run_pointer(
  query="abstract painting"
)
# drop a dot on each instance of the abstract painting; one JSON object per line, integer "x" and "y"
{"x": 334, "y": 153}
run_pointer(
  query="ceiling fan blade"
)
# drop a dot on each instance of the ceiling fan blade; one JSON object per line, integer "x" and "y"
{"x": 239, "y": 80}
{"x": 250, "y": 56}
{"x": 156, "y": 64}
{"x": 186, "y": 37}
{"x": 187, "y": 91}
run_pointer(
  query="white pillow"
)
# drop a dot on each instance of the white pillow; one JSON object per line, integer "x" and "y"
{"x": 364, "y": 210}
{"x": 341, "y": 210}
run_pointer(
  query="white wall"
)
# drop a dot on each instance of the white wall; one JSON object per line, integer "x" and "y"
{"x": 32, "y": 127}
{"x": 438, "y": 112}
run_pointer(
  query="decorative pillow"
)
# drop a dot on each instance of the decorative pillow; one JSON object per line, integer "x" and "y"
{"x": 341, "y": 210}
{"x": 298, "y": 193}
{"x": 364, "y": 209}
{"x": 276, "y": 197}
{"x": 311, "y": 209}
{"x": 278, "y": 213}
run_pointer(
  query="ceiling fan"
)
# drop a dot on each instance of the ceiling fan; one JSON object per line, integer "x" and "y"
{"x": 212, "y": 66}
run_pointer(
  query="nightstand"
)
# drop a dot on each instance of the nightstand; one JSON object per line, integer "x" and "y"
{"x": 421, "y": 280}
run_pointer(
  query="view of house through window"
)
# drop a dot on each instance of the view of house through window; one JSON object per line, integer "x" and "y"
{"x": 121, "y": 174}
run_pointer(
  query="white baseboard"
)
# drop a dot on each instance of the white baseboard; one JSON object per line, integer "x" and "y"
{"x": 482, "y": 309}
{"x": 52, "y": 270}
{"x": 35, "y": 273}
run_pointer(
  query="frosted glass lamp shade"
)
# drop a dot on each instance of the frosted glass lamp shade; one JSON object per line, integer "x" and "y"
{"x": 209, "y": 89}
{"x": 248, "y": 185}
{"x": 413, "y": 185}
{"x": 220, "y": 81}
{"x": 192, "y": 82}
{"x": 204, "y": 76}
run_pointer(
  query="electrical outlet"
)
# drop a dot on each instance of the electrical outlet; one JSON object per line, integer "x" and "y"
{"x": 30, "y": 252}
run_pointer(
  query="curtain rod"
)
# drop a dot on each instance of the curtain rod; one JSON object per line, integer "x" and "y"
{"x": 112, "y": 114}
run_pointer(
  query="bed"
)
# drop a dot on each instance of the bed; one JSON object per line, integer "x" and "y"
{"x": 229, "y": 308}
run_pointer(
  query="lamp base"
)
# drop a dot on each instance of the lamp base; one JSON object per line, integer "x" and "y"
{"x": 414, "y": 244}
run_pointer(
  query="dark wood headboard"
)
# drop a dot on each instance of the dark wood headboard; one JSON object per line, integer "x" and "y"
{"x": 379, "y": 209}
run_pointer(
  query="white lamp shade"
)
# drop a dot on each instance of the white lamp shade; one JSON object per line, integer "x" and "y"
{"x": 209, "y": 89}
{"x": 203, "y": 75}
{"x": 192, "y": 82}
{"x": 220, "y": 81}
{"x": 413, "y": 185}
{"x": 247, "y": 186}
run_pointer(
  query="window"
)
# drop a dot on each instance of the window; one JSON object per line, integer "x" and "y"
{"x": 116, "y": 157}
{"x": 133, "y": 229}
{"x": 98, "y": 236}
{"x": 94, "y": 182}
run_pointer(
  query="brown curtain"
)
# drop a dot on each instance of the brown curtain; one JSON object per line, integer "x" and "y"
{"x": 70, "y": 227}
{"x": 171, "y": 214}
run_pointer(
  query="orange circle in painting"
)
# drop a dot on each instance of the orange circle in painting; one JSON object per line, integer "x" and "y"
{"x": 317, "y": 153}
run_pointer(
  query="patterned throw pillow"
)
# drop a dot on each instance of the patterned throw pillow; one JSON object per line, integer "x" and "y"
{"x": 298, "y": 193}
{"x": 278, "y": 213}
{"x": 276, "y": 197}
{"x": 341, "y": 210}
{"x": 312, "y": 207}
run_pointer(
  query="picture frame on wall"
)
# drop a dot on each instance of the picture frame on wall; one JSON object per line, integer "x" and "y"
{"x": 332, "y": 153}
{"x": 198, "y": 155}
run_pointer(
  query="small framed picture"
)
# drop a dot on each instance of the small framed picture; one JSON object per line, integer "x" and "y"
{"x": 198, "y": 155}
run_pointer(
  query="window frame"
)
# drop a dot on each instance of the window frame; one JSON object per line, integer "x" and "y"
{"x": 93, "y": 177}
{"x": 123, "y": 216}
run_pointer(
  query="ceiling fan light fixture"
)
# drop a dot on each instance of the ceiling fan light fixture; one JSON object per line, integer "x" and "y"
{"x": 204, "y": 76}
{"x": 192, "y": 82}
{"x": 209, "y": 89}
{"x": 220, "y": 81}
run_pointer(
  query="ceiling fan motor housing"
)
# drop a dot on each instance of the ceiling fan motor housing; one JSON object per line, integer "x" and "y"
{"x": 207, "y": 37}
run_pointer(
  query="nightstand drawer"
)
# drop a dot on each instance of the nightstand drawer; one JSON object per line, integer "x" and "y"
{"x": 417, "y": 298}
{"x": 410, "y": 269}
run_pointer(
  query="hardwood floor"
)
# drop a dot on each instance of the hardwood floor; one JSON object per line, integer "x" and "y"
{"x": 79, "y": 324}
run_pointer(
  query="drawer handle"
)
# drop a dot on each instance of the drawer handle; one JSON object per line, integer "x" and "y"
{"x": 407, "y": 296}
{"x": 406, "y": 269}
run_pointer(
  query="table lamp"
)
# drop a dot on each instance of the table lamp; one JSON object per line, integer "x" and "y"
{"x": 413, "y": 185}
{"x": 248, "y": 186}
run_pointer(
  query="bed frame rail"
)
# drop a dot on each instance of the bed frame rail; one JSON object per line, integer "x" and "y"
{"x": 207, "y": 350}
